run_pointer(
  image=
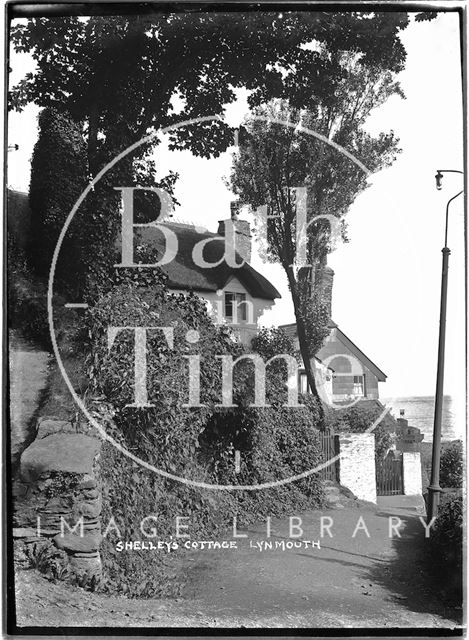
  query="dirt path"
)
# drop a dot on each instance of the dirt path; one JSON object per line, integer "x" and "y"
{"x": 350, "y": 581}
{"x": 29, "y": 370}
{"x": 360, "y": 581}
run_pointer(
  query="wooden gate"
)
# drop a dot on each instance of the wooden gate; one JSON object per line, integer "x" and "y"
{"x": 390, "y": 475}
{"x": 330, "y": 449}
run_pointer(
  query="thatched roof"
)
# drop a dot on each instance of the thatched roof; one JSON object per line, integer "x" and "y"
{"x": 183, "y": 273}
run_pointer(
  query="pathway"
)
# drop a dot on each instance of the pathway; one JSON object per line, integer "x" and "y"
{"x": 371, "y": 582}
{"x": 359, "y": 581}
{"x": 28, "y": 370}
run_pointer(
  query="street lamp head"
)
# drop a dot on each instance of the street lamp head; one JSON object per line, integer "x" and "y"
{"x": 438, "y": 179}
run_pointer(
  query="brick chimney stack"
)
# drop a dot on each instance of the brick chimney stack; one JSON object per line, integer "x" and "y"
{"x": 242, "y": 232}
{"x": 327, "y": 282}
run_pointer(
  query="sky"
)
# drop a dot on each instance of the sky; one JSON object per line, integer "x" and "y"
{"x": 387, "y": 278}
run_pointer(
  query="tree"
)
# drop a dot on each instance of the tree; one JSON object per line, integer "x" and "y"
{"x": 119, "y": 74}
{"x": 452, "y": 465}
{"x": 275, "y": 159}
{"x": 58, "y": 175}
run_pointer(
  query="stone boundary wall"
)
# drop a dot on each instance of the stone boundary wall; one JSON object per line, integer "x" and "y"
{"x": 357, "y": 464}
{"x": 412, "y": 470}
{"x": 57, "y": 503}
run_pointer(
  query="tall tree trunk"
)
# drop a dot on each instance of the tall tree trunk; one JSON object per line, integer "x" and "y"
{"x": 303, "y": 342}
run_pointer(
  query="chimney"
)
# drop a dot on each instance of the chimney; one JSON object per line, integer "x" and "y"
{"x": 327, "y": 282}
{"x": 401, "y": 421}
{"x": 242, "y": 232}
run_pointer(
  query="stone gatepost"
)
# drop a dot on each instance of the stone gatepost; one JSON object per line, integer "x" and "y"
{"x": 357, "y": 465}
{"x": 57, "y": 504}
{"x": 412, "y": 470}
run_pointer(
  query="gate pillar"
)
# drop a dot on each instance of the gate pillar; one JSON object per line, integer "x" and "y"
{"x": 412, "y": 469}
{"x": 357, "y": 464}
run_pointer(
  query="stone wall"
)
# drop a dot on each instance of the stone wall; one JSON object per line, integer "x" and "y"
{"x": 357, "y": 464}
{"x": 412, "y": 470}
{"x": 57, "y": 503}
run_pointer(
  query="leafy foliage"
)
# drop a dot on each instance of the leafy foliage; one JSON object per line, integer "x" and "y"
{"x": 116, "y": 77}
{"x": 58, "y": 176}
{"x": 192, "y": 442}
{"x": 359, "y": 418}
{"x": 452, "y": 465}
{"x": 275, "y": 158}
{"x": 119, "y": 74}
{"x": 445, "y": 553}
{"x": 269, "y": 342}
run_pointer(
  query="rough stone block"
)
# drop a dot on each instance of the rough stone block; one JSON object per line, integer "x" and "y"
{"x": 90, "y": 494}
{"x": 47, "y": 427}
{"x": 91, "y": 555}
{"x": 90, "y": 566}
{"x": 90, "y": 508}
{"x": 24, "y": 532}
{"x": 66, "y": 453}
{"x": 87, "y": 482}
{"x": 71, "y": 542}
{"x": 59, "y": 505}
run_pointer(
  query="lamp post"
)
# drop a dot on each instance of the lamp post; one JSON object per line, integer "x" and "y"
{"x": 434, "y": 489}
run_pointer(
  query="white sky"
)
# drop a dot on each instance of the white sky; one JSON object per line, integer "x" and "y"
{"x": 387, "y": 278}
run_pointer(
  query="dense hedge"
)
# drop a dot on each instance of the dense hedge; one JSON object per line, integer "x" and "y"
{"x": 59, "y": 174}
{"x": 359, "y": 418}
{"x": 452, "y": 465}
{"x": 196, "y": 443}
{"x": 445, "y": 556}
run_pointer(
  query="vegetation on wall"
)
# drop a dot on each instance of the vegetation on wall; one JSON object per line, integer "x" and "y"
{"x": 196, "y": 443}
{"x": 359, "y": 418}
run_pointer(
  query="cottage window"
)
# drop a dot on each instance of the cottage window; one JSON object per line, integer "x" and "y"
{"x": 235, "y": 306}
{"x": 358, "y": 386}
{"x": 303, "y": 382}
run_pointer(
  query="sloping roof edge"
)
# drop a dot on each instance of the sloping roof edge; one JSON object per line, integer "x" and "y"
{"x": 257, "y": 285}
{"x": 262, "y": 280}
{"x": 381, "y": 376}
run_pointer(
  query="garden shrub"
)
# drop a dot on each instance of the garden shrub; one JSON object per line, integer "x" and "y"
{"x": 445, "y": 555}
{"x": 271, "y": 341}
{"x": 192, "y": 442}
{"x": 452, "y": 465}
{"x": 359, "y": 418}
{"x": 165, "y": 435}
{"x": 274, "y": 442}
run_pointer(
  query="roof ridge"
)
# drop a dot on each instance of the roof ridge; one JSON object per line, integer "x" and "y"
{"x": 198, "y": 228}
